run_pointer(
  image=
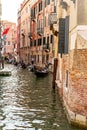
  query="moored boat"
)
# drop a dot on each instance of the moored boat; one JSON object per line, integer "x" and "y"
{"x": 41, "y": 71}
{"x": 5, "y": 73}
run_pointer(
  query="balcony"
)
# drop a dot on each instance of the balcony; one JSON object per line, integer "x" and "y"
{"x": 30, "y": 35}
{"x": 40, "y": 31}
{"x": 46, "y": 48}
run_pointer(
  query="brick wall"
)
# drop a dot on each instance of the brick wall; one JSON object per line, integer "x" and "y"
{"x": 78, "y": 82}
{"x": 75, "y": 93}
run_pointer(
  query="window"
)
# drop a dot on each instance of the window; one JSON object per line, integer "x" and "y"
{"x": 4, "y": 42}
{"x": 8, "y": 42}
{"x": 47, "y": 57}
{"x": 66, "y": 78}
{"x": 40, "y": 24}
{"x": 34, "y": 42}
{"x": 44, "y": 40}
{"x": 30, "y": 43}
{"x": 47, "y": 39}
{"x": 47, "y": 2}
{"x": 34, "y": 11}
{"x": 40, "y": 6}
{"x": 39, "y": 42}
{"x": 51, "y": 38}
{"x": 4, "y": 49}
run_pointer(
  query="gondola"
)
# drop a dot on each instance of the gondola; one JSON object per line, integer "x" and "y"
{"x": 41, "y": 71}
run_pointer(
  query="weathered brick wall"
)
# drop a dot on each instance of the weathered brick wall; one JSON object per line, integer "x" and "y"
{"x": 77, "y": 100}
{"x": 75, "y": 92}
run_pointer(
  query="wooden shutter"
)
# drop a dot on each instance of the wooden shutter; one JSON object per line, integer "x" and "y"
{"x": 63, "y": 35}
{"x": 66, "y": 35}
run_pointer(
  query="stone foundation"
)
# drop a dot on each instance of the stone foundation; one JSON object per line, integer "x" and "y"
{"x": 75, "y": 118}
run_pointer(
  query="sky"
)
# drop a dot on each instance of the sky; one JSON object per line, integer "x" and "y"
{"x": 9, "y": 9}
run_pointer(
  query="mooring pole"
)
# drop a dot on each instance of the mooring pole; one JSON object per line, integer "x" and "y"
{"x": 54, "y": 72}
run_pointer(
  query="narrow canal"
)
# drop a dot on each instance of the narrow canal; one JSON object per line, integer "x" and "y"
{"x": 28, "y": 103}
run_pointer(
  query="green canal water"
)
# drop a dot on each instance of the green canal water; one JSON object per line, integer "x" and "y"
{"x": 29, "y": 103}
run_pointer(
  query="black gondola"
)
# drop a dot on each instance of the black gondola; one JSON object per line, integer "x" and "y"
{"x": 41, "y": 71}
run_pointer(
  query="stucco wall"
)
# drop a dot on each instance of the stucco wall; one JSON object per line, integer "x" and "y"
{"x": 82, "y": 12}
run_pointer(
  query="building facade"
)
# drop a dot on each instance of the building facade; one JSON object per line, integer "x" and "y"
{"x": 18, "y": 32}
{"x": 10, "y": 39}
{"x": 24, "y": 28}
{"x": 40, "y": 38}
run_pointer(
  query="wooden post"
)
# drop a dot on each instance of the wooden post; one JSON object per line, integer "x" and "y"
{"x": 54, "y": 72}
{"x": 2, "y": 63}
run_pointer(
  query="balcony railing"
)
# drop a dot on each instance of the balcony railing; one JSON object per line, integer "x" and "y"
{"x": 46, "y": 47}
{"x": 40, "y": 31}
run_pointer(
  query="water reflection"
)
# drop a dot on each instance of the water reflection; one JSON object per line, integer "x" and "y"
{"x": 28, "y": 103}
